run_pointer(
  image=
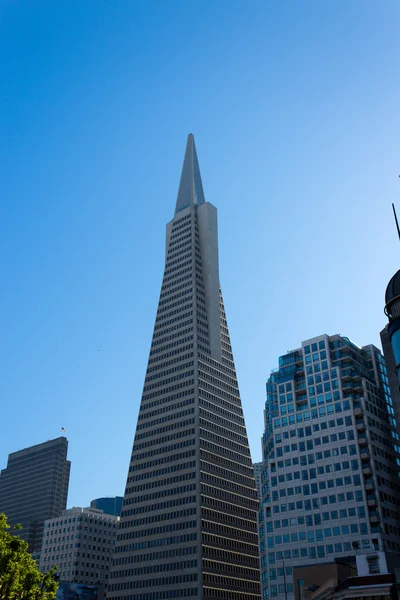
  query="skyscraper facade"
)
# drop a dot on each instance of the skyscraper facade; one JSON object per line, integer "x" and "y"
{"x": 189, "y": 517}
{"x": 34, "y": 488}
{"x": 258, "y": 469}
{"x": 331, "y": 482}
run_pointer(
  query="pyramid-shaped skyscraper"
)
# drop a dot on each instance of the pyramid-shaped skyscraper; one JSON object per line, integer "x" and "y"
{"x": 189, "y": 518}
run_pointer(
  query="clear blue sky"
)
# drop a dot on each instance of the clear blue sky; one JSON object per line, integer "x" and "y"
{"x": 295, "y": 110}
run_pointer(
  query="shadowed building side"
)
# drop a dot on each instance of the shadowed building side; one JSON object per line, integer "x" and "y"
{"x": 34, "y": 488}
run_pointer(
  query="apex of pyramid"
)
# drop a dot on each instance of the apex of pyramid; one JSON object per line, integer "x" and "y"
{"x": 190, "y": 187}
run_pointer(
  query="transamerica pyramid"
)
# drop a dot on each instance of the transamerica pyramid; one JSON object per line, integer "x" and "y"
{"x": 189, "y": 518}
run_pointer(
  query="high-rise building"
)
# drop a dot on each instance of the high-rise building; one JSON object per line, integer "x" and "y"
{"x": 80, "y": 542}
{"x": 189, "y": 517}
{"x": 34, "y": 487}
{"x": 258, "y": 469}
{"x": 109, "y": 505}
{"x": 331, "y": 477}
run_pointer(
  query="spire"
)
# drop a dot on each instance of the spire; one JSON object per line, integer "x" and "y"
{"x": 190, "y": 187}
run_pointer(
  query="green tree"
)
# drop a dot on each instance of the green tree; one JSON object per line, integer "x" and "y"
{"x": 20, "y": 578}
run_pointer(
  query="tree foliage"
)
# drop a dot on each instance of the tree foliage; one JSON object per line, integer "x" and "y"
{"x": 20, "y": 578}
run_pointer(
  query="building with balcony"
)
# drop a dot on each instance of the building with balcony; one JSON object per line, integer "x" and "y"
{"x": 330, "y": 483}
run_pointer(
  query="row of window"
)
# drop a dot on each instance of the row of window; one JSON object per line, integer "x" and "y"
{"x": 164, "y": 595}
{"x": 169, "y": 417}
{"x": 232, "y": 582}
{"x": 319, "y": 551}
{"x": 316, "y": 519}
{"x": 238, "y": 465}
{"x": 169, "y": 337}
{"x": 160, "y": 483}
{"x": 164, "y": 439}
{"x": 162, "y": 460}
{"x": 162, "y": 449}
{"x": 158, "y": 568}
{"x": 165, "y": 399}
{"x": 225, "y": 431}
{"x": 315, "y": 413}
{"x": 161, "y": 324}
{"x": 129, "y": 535}
{"x": 177, "y": 261}
{"x": 226, "y": 542}
{"x": 307, "y": 474}
{"x": 160, "y": 318}
{"x": 243, "y": 459}
{"x": 179, "y": 267}
{"x": 231, "y": 557}
{"x": 176, "y": 539}
{"x": 166, "y": 347}
{"x": 227, "y": 506}
{"x": 227, "y": 473}
{"x": 164, "y": 330}
{"x": 177, "y": 514}
{"x": 319, "y": 501}
{"x": 170, "y": 305}
{"x": 172, "y": 288}
{"x": 222, "y": 493}
{"x": 317, "y": 535}
{"x": 222, "y": 483}
{"x": 134, "y": 558}
{"x": 155, "y": 432}
{"x": 161, "y": 581}
{"x": 163, "y": 409}
{"x": 222, "y": 518}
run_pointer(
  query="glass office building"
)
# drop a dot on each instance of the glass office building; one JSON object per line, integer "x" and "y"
{"x": 331, "y": 455}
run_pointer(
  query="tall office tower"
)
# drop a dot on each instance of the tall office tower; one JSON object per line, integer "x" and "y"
{"x": 34, "y": 487}
{"x": 258, "y": 469}
{"x": 80, "y": 542}
{"x": 109, "y": 505}
{"x": 331, "y": 482}
{"x": 189, "y": 517}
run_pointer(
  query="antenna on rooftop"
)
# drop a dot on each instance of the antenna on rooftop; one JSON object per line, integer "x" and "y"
{"x": 397, "y": 223}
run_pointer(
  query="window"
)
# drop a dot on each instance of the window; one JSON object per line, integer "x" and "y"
{"x": 373, "y": 564}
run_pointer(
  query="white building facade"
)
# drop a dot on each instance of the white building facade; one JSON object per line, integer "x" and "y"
{"x": 80, "y": 542}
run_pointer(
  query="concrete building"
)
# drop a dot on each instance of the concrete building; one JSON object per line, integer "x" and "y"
{"x": 331, "y": 476}
{"x": 80, "y": 542}
{"x": 109, "y": 505}
{"x": 34, "y": 487}
{"x": 189, "y": 518}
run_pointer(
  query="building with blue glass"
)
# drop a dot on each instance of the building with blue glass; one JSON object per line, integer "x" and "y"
{"x": 331, "y": 454}
{"x": 110, "y": 505}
